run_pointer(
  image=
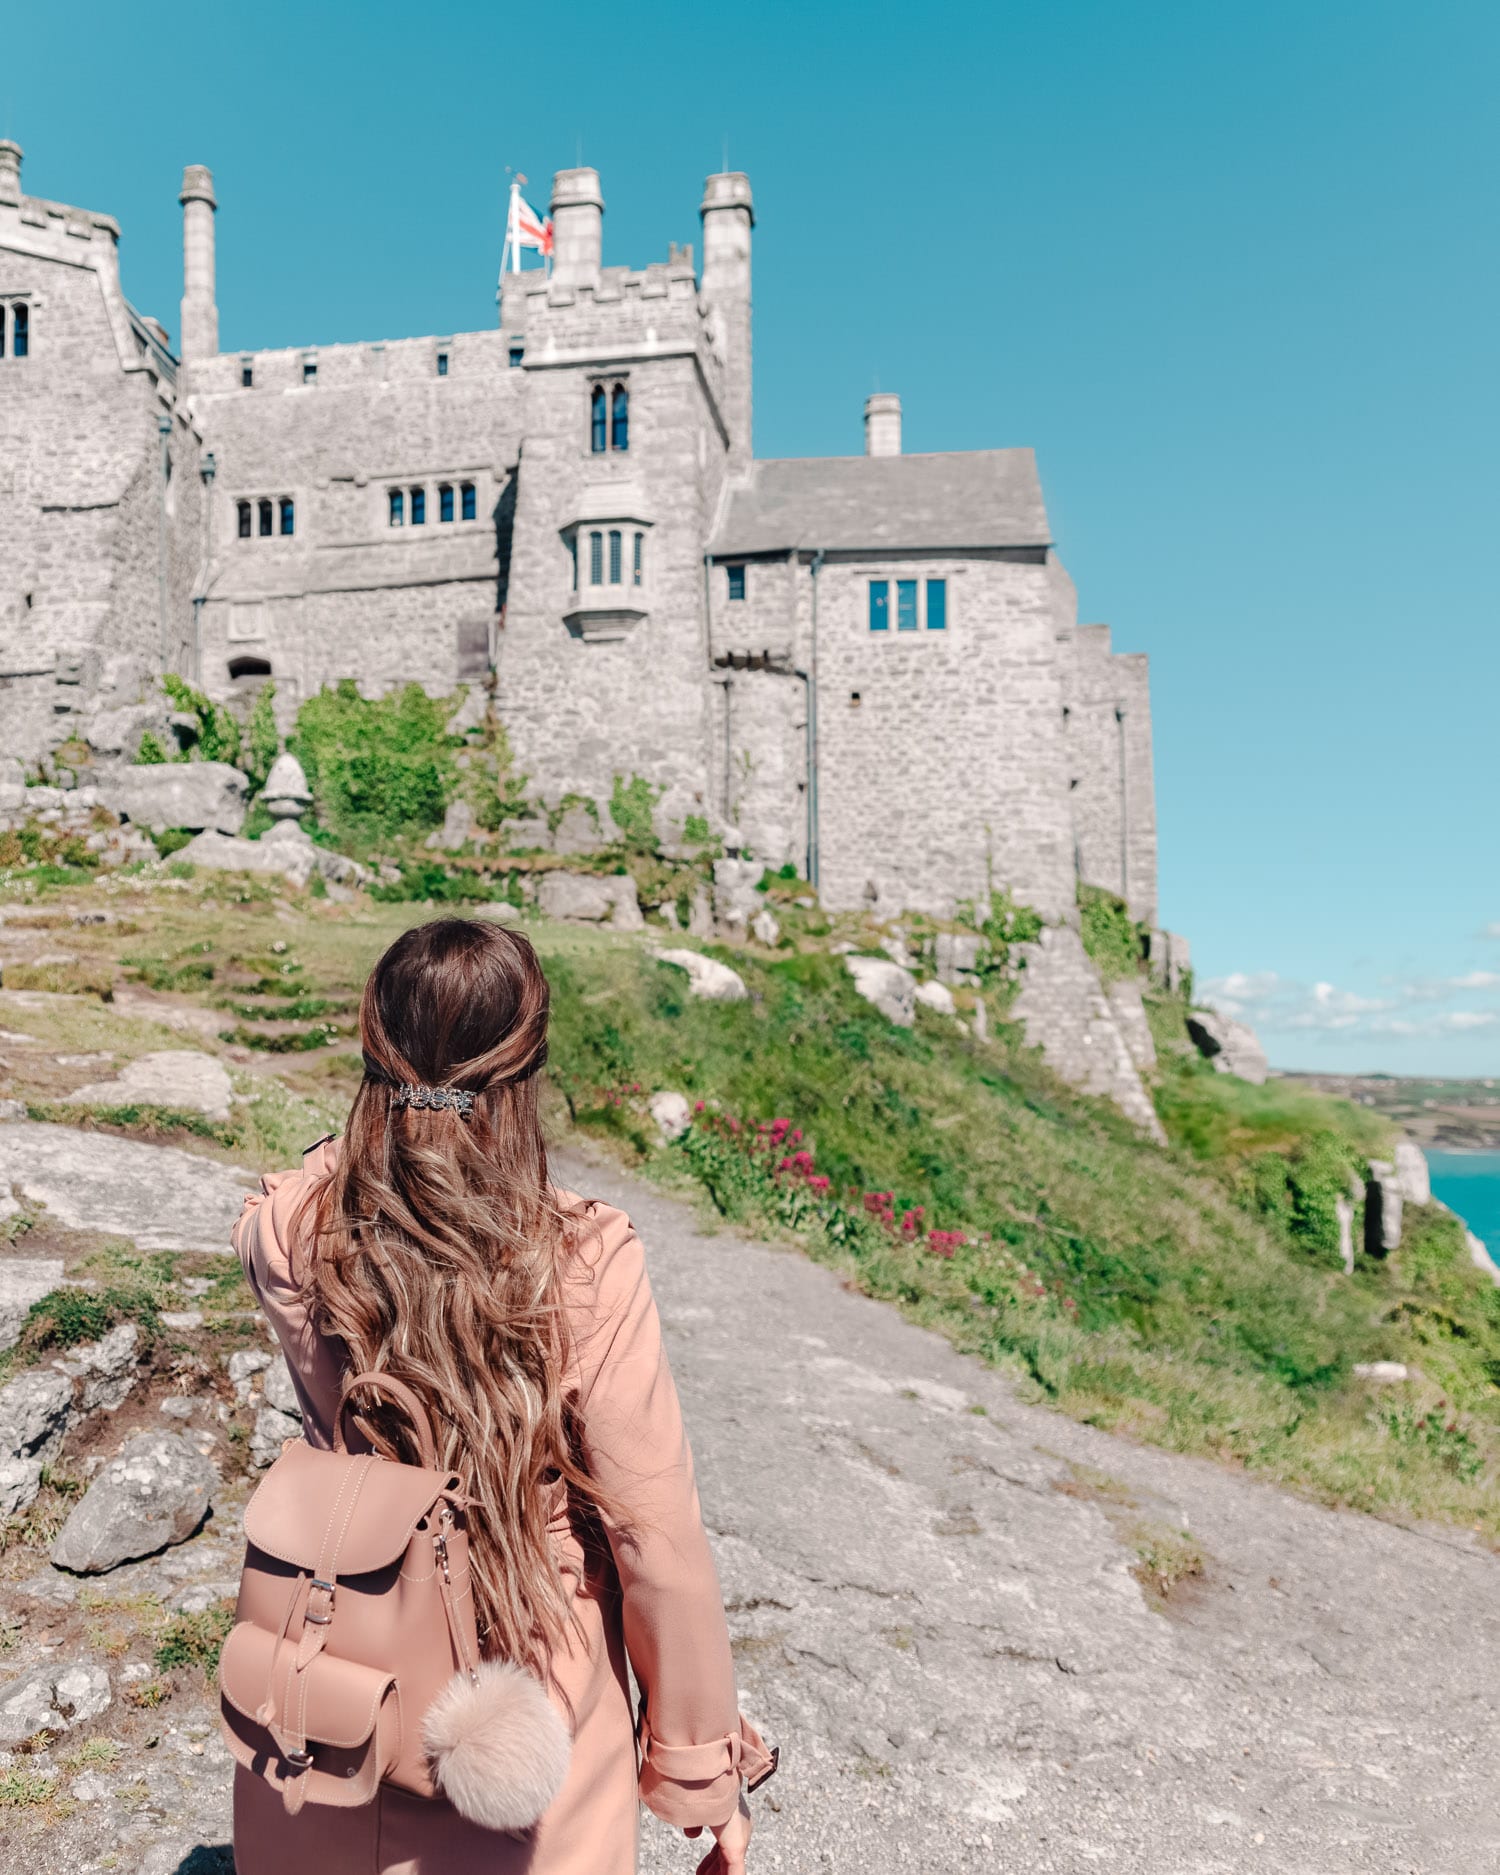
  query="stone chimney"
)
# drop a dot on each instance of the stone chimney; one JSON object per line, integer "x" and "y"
{"x": 883, "y": 424}
{"x": 10, "y": 170}
{"x": 728, "y": 217}
{"x": 200, "y": 310}
{"x": 577, "y": 227}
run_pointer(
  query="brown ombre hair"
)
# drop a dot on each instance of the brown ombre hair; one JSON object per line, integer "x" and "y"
{"x": 438, "y": 1254}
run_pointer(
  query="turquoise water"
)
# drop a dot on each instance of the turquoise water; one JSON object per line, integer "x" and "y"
{"x": 1469, "y": 1183}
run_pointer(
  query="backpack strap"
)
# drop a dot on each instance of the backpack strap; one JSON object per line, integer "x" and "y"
{"x": 285, "y": 1707}
{"x": 403, "y": 1396}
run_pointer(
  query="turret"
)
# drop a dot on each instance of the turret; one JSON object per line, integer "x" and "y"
{"x": 577, "y": 227}
{"x": 728, "y": 217}
{"x": 200, "y": 311}
{"x": 883, "y": 424}
{"x": 10, "y": 171}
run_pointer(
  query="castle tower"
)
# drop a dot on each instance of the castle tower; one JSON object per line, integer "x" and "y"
{"x": 10, "y": 171}
{"x": 577, "y": 227}
{"x": 728, "y": 217}
{"x": 883, "y": 424}
{"x": 200, "y": 311}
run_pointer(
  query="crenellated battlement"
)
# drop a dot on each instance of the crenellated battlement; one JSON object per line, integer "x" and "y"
{"x": 353, "y": 364}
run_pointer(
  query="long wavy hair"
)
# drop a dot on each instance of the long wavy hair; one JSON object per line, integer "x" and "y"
{"x": 438, "y": 1253}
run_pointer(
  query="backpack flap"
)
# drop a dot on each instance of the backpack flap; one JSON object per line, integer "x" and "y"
{"x": 379, "y": 1505}
{"x": 350, "y": 1720}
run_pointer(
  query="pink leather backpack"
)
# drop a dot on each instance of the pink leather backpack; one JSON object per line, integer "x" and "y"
{"x": 354, "y": 1658}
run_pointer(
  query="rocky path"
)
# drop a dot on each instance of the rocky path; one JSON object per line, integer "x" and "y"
{"x": 937, "y": 1608}
{"x": 935, "y": 1613}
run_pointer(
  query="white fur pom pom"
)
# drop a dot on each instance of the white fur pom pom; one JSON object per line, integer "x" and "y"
{"x": 499, "y": 1748}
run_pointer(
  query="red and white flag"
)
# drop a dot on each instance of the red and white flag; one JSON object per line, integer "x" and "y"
{"x": 525, "y": 228}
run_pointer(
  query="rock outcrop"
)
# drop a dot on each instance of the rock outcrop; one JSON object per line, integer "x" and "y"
{"x": 52, "y": 1698}
{"x": 36, "y": 1409}
{"x": 737, "y": 900}
{"x": 160, "y": 1197}
{"x": 102, "y": 1372}
{"x": 1230, "y": 1046}
{"x": 23, "y": 1280}
{"x": 889, "y": 986}
{"x": 178, "y": 794}
{"x": 154, "y": 1494}
{"x": 171, "y": 1077}
{"x": 707, "y": 977}
{"x": 591, "y": 898}
{"x": 937, "y": 997}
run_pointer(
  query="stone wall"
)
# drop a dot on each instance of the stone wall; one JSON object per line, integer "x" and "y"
{"x": 760, "y": 740}
{"x": 98, "y": 550}
{"x": 940, "y": 756}
{"x": 1113, "y": 794}
{"x": 348, "y": 595}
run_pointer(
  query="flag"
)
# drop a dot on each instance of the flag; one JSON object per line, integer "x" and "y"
{"x": 528, "y": 228}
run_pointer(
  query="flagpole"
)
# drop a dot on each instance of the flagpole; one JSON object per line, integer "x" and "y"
{"x": 510, "y": 231}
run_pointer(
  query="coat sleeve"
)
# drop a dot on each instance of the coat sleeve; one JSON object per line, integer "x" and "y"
{"x": 264, "y": 1239}
{"x": 695, "y": 1748}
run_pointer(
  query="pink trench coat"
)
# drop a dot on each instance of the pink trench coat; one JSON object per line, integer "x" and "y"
{"x": 655, "y": 1602}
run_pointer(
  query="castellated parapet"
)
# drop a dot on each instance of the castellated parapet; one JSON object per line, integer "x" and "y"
{"x": 868, "y": 666}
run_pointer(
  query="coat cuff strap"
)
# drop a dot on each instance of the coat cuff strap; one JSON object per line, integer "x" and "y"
{"x": 743, "y": 1751}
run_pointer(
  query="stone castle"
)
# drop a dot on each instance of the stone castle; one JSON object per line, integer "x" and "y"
{"x": 868, "y": 666}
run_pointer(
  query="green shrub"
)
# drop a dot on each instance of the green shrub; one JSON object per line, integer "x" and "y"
{"x": 170, "y": 840}
{"x": 425, "y": 879}
{"x": 1005, "y": 924}
{"x": 378, "y": 767}
{"x": 633, "y": 805}
{"x": 489, "y": 780}
{"x": 218, "y": 735}
{"x": 195, "y": 1640}
{"x": 1111, "y": 936}
{"x": 152, "y": 750}
{"x": 263, "y": 741}
{"x": 68, "y": 1317}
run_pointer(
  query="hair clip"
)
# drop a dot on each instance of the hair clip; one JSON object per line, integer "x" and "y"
{"x": 408, "y": 1094}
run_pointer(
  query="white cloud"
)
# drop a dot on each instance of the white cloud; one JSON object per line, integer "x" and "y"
{"x": 1265, "y": 998}
{"x": 1276, "y": 1003}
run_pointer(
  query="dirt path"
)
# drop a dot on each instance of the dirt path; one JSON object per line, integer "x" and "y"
{"x": 935, "y": 1614}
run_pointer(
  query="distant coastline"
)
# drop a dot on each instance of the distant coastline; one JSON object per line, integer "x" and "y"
{"x": 1450, "y": 1116}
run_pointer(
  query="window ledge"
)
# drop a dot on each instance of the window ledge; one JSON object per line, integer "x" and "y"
{"x": 604, "y": 621}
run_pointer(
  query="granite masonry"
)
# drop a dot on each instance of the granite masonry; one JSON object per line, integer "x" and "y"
{"x": 869, "y": 666}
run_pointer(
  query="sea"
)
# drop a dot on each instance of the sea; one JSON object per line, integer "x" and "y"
{"x": 1469, "y": 1183}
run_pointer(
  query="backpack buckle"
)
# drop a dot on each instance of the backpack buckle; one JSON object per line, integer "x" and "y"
{"x": 321, "y": 1616}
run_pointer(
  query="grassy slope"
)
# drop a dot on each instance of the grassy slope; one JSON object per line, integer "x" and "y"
{"x": 1135, "y": 1288}
{"x": 1172, "y": 1310}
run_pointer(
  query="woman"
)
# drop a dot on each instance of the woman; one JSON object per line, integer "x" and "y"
{"x": 430, "y": 1245}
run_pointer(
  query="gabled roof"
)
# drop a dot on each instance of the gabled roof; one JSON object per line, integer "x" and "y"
{"x": 968, "y": 498}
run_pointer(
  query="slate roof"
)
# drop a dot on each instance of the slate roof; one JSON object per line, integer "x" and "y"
{"x": 968, "y": 498}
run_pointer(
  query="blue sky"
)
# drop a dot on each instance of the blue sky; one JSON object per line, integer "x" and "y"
{"x": 1231, "y": 269}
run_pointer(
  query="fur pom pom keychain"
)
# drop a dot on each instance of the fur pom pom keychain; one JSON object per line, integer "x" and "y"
{"x": 498, "y": 1747}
